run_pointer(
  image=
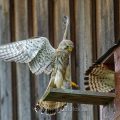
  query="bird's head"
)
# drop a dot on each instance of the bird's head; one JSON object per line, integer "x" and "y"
{"x": 66, "y": 45}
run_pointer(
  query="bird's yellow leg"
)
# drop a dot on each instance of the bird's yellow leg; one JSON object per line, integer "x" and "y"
{"x": 73, "y": 84}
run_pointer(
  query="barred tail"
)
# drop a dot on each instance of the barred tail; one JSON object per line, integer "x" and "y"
{"x": 49, "y": 107}
{"x": 99, "y": 78}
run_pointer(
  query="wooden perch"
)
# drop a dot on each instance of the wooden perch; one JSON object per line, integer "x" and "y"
{"x": 78, "y": 96}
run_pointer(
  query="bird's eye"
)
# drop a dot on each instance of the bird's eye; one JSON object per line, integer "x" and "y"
{"x": 67, "y": 47}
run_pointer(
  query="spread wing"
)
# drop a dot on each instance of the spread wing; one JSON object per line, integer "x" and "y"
{"x": 42, "y": 62}
{"x": 37, "y": 52}
{"x": 99, "y": 78}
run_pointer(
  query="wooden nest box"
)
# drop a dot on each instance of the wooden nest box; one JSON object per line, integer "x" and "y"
{"x": 112, "y": 60}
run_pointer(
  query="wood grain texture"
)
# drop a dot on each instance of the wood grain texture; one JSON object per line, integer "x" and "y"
{"x": 32, "y": 31}
{"x": 117, "y": 19}
{"x": 61, "y": 9}
{"x": 77, "y": 96}
{"x": 83, "y": 49}
{"x": 105, "y": 25}
{"x": 105, "y": 38}
{"x": 5, "y": 71}
{"x": 93, "y": 25}
{"x": 23, "y": 79}
{"x": 117, "y": 90}
{"x": 73, "y": 58}
{"x": 13, "y": 65}
{"x": 96, "y": 110}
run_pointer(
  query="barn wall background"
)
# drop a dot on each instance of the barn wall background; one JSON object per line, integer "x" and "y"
{"x": 94, "y": 27}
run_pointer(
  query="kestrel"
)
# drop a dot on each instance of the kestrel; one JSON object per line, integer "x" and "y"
{"x": 42, "y": 57}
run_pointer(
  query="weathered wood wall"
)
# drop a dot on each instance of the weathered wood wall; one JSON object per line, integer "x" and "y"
{"x": 94, "y": 26}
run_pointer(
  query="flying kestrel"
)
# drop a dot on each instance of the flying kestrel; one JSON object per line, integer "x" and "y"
{"x": 42, "y": 57}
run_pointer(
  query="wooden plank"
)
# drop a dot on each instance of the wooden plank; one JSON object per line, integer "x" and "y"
{"x": 96, "y": 111}
{"x": 13, "y": 65}
{"x": 117, "y": 19}
{"x": 61, "y": 9}
{"x": 5, "y": 71}
{"x": 73, "y": 56}
{"x": 105, "y": 38}
{"x": 23, "y": 83}
{"x": 105, "y": 25}
{"x": 83, "y": 49}
{"x": 83, "y": 97}
{"x": 51, "y": 21}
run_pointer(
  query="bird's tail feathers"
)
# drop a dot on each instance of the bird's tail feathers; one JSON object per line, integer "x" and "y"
{"x": 99, "y": 79}
{"x": 49, "y": 107}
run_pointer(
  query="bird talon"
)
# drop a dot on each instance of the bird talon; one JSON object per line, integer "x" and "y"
{"x": 73, "y": 84}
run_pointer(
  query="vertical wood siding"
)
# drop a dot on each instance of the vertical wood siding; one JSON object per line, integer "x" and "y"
{"x": 83, "y": 49}
{"x": 5, "y": 71}
{"x": 94, "y": 26}
{"x": 105, "y": 36}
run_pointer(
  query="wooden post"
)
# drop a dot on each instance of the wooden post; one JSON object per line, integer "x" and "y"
{"x": 117, "y": 84}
